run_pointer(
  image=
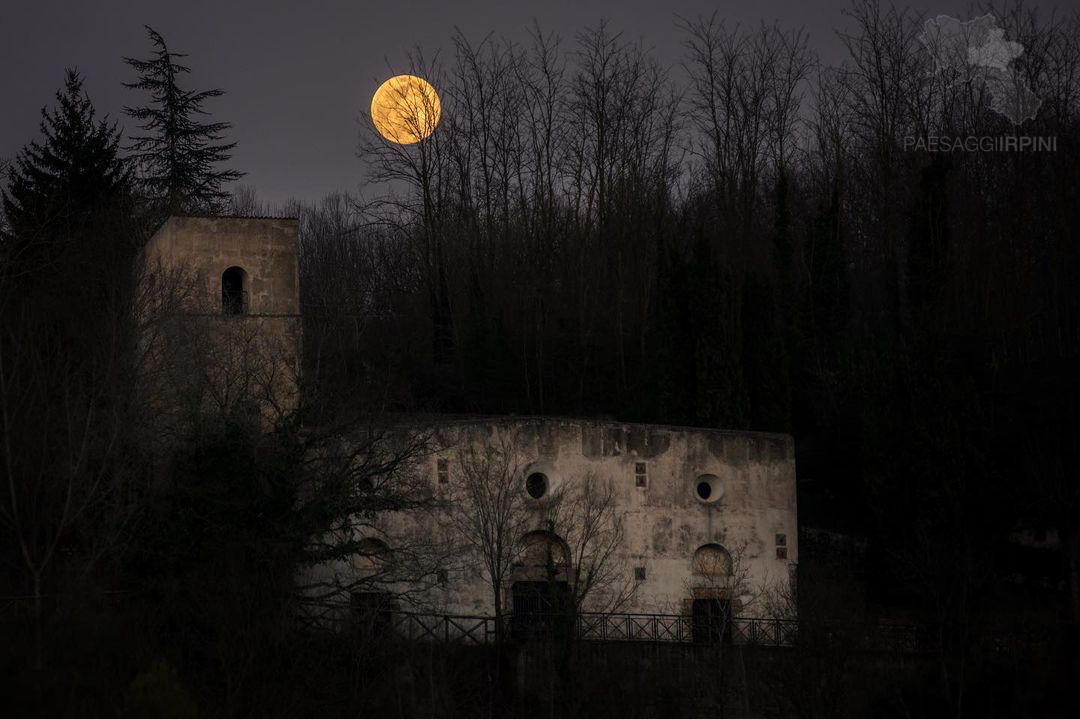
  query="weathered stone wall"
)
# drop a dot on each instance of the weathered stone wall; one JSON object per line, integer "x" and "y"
{"x": 266, "y": 248}
{"x": 664, "y": 522}
{"x": 254, "y": 352}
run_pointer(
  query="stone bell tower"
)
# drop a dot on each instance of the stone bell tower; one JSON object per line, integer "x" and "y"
{"x": 229, "y": 290}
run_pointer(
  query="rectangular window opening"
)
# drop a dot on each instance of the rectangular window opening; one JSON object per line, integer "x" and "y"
{"x": 641, "y": 474}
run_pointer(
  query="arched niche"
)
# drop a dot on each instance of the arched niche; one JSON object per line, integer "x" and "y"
{"x": 541, "y": 548}
{"x": 712, "y": 561}
{"x": 371, "y": 555}
{"x": 541, "y": 556}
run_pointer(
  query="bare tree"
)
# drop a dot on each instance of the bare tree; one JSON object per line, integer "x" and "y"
{"x": 244, "y": 202}
{"x": 420, "y": 213}
{"x": 719, "y": 573}
{"x": 5, "y": 163}
{"x": 191, "y": 362}
{"x": 487, "y": 512}
{"x": 63, "y": 418}
{"x": 584, "y": 514}
{"x": 356, "y": 286}
{"x": 368, "y": 482}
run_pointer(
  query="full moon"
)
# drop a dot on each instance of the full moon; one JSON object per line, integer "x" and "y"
{"x": 405, "y": 109}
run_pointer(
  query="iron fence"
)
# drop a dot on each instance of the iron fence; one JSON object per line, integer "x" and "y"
{"x": 871, "y": 637}
{"x": 619, "y": 627}
{"x": 442, "y": 628}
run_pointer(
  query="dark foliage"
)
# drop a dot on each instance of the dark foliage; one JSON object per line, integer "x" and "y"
{"x": 179, "y": 155}
{"x": 575, "y": 240}
{"x": 61, "y": 185}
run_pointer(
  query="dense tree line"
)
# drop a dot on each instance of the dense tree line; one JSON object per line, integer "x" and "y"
{"x": 754, "y": 249}
{"x": 748, "y": 244}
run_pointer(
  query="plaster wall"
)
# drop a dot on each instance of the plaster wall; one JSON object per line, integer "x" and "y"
{"x": 664, "y": 522}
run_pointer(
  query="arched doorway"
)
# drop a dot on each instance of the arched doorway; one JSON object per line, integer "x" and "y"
{"x": 372, "y": 607}
{"x": 710, "y": 608}
{"x": 541, "y": 597}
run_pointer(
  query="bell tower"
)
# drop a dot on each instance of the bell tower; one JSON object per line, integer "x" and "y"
{"x": 230, "y": 289}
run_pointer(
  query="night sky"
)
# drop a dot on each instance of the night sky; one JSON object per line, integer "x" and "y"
{"x": 296, "y": 75}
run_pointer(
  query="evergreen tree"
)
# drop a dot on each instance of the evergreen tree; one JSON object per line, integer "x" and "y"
{"x": 179, "y": 155}
{"x": 62, "y": 186}
{"x": 66, "y": 338}
{"x": 67, "y": 245}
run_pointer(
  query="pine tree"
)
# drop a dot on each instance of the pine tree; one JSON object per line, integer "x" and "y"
{"x": 67, "y": 347}
{"x": 59, "y": 189}
{"x": 179, "y": 155}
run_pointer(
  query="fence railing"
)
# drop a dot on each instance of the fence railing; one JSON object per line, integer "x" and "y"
{"x": 634, "y": 627}
{"x": 666, "y": 628}
{"x": 621, "y": 627}
{"x": 678, "y": 629}
{"x": 439, "y": 627}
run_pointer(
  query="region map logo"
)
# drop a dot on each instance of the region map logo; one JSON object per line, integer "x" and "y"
{"x": 977, "y": 51}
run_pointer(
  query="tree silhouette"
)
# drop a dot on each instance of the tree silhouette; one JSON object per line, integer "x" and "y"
{"x": 64, "y": 332}
{"x": 178, "y": 154}
{"x": 57, "y": 184}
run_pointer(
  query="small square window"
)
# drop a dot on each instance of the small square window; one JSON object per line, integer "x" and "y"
{"x": 781, "y": 540}
{"x": 641, "y": 474}
{"x": 639, "y": 574}
{"x": 781, "y": 552}
{"x": 443, "y": 470}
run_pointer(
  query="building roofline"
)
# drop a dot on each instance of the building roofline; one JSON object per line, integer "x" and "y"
{"x": 210, "y": 216}
{"x": 465, "y": 419}
{"x": 167, "y": 218}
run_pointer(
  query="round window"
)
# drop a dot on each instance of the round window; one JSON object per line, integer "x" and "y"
{"x": 536, "y": 484}
{"x": 708, "y": 488}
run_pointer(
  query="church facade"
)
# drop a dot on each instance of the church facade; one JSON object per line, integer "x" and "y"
{"x": 634, "y": 518}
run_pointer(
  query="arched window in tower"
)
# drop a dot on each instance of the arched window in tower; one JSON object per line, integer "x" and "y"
{"x": 234, "y": 291}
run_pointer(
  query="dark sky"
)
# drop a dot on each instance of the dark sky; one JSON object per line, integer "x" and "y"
{"x": 297, "y": 72}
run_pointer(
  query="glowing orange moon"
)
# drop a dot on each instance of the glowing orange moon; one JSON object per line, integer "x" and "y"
{"x": 405, "y": 109}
